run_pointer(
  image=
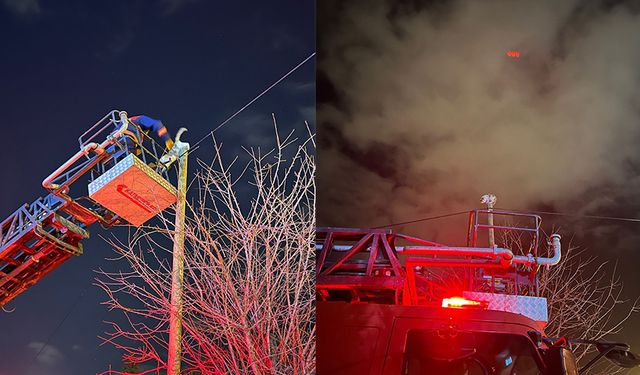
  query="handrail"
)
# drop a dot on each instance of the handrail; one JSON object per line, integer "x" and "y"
{"x": 98, "y": 148}
{"x": 113, "y": 119}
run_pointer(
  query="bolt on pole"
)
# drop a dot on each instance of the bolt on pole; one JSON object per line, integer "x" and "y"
{"x": 177, "y": 274}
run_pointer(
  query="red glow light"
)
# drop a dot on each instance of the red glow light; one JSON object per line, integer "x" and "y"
{"x": 457, "y": 302}
{"x": 514, "y": 54}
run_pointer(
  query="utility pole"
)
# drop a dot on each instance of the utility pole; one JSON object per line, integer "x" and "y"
{"x": 179, "y": 152}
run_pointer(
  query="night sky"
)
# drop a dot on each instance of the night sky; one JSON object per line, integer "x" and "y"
{"x": 63, "y": 65}
{"x": 421, "y": 110}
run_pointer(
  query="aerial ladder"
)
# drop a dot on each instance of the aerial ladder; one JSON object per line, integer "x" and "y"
{"x": 128, "y": 183}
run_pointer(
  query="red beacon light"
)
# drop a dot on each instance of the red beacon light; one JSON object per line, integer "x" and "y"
{"x": 514, "y": 54}
{"x": 459, "y": 302}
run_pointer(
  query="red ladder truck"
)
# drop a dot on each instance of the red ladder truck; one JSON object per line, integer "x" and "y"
{"x": 127, "y": 184}
{"x": 393, "y": 304}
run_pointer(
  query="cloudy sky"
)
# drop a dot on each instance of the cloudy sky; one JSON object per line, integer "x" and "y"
{"x": 421, "y": 111}
{"x": 63, "y": 65}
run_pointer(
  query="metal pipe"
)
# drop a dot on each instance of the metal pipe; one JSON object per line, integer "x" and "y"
{"x": 494, "y": 253}
{"x": 427, "y": 262}
{"x": 47, "y": 182}
{"x": 416, "y": 250}
{"x": 98, "y": 148}
{"x": 505, "y": 256}
{"x": 555, "y": 259}
{"x": 557, "y": 254}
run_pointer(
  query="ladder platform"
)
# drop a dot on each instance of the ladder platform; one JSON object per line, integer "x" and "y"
{"x": 133, "y": 191}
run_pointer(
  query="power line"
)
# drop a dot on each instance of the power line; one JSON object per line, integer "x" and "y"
{"x": 254, "y": 99}
{"x": 46, "y": 343}
{"x": 423, "y": 219}
{"x": 594, "y": 217}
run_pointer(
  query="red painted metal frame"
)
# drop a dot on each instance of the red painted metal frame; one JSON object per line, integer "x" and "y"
{"x": 378, "y": 270}
{"x": 34, "y": 255}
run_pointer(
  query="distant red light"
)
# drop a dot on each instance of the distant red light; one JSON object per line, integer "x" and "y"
{"x": 514, "y": 54}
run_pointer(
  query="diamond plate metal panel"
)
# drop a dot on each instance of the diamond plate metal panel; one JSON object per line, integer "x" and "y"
{"x": 153, "y": 175}
{"x": 531, "y": 307}
{"x": 111, "y": 174}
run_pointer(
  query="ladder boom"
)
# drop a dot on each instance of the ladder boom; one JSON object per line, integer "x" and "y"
{"x": 40, "y": 236}
{"x": 35, "y": 239}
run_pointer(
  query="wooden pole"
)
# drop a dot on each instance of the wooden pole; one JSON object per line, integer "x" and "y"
{"x": 177, "y": 274}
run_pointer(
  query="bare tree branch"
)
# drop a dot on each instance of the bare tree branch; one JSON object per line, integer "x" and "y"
{"x": 584, "y": 299}
{"x": 249, "y": 280}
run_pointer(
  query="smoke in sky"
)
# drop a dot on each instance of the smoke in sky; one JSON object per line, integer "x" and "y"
{"x": 428, "y": 111}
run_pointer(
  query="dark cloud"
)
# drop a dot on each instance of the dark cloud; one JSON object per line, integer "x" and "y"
{"x": 172, "y": 6}
{"x": 308, "y": 114}
{"x": 429, "y": 112}
{"x": 119, "y": 44}
{"x": 300, "y": 87}
{"x": 23, "y": 7}
{"x": 49, "y": 360}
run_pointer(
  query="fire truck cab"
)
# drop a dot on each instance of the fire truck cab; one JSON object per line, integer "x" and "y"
{"x": 381, "y": 339}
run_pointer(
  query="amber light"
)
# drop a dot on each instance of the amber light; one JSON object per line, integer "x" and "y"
{"x": 460, "y": 302}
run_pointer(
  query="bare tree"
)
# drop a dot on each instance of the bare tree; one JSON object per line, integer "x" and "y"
{"x": 249, "y": 281}
{"x": 584, "y": 299}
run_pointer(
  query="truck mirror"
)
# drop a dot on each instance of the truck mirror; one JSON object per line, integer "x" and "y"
{"x": 561, "y": 361}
